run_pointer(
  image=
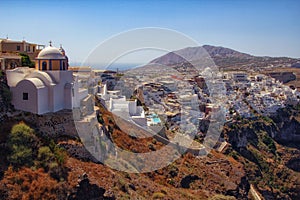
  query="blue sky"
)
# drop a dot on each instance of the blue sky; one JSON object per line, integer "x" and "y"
{"x": 269, "y": 28}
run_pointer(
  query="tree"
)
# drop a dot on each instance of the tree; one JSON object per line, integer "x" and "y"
{"x": 26, "y": 60}
{"x": 4, "y": 90}
{"x": 7, "y": 96}
{"x": 22, "y": 142}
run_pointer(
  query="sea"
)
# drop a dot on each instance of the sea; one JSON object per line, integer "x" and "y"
{"x": 114, "y": 67}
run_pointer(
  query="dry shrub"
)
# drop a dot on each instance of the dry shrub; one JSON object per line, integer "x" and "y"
{"x": 32, "y": 184}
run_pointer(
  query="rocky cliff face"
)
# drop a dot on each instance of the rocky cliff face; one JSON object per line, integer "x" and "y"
{"x": 269, "y": 150}
{"x": 282, "y": 127}
{"x": 288, "y": 126}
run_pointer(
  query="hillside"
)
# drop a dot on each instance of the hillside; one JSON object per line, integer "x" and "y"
{"x": 223, "y": 57}
{"x": 59, "y": 173}
{"x": 252, "y": 157}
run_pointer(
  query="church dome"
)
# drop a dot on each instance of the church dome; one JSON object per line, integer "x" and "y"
{"x": 50, "y": 53}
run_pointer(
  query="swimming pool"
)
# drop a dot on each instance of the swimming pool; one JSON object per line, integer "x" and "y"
{"x": 153, "y": 115}
{"x": 153, "y": 119}
{"x": 156, "y": 120}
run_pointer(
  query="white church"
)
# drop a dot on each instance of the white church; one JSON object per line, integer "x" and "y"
{"x": 49, "y": 87}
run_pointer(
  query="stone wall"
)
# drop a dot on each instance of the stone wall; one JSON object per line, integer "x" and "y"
{"x": 53, "y": 124}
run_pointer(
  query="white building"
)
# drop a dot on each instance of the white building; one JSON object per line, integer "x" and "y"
{"x": 47, "y": 88}
{"x": 240, "y": 76}
{"x": 128, "y": 110}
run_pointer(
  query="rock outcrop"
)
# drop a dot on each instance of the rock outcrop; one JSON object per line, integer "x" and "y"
{"x": 86, "y": 190}
{"x": 288, "y": 126}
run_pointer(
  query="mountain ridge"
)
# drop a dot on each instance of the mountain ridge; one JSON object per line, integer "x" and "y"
{"x": 221, "y": 56}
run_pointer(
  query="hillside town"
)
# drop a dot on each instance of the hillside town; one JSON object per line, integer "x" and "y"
{"x": 142, "y": 96}
{"x": 169, "y": 96}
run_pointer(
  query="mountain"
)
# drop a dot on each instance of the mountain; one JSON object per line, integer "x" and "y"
{"x": 214, "y": 52}
{"x": 221, "y": 56}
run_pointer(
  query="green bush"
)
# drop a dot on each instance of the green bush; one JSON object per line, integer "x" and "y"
{"x": 234, "y": 155}
{"x": 45, "y": 157}
{"x": 270, "y": 143}
{"x": 267, "y": 119}
{"x": 59, "y": 153}
{"x": 21, "y": 134}
{"x": 21, "y": 156}
{"x": 21, "y": 142}
{"x": 263, "y": 165}
{"x": 52, "y": 159}
{"x": 297, "y": 107}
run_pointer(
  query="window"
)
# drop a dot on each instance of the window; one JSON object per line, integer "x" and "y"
{"x": 18, "y": 48}
{"x": 64, "y": 66}
{"x": 13, "y": 65}
{"x": 25, "y": 96}
{"x": 44, "y": 66}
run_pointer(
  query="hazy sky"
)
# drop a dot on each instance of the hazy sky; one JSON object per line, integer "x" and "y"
{"x": 269, "y": 28}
